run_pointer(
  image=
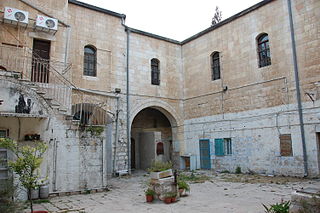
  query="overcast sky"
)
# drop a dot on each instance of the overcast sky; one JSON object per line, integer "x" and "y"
{"x": 175, "y": 19}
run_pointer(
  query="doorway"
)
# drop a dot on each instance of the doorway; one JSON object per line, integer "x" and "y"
{"x": 40, "y": 61}
{"x": 204, "y": 145}
{"x": 152, "y": 134}
{"x": 133, "y": 154}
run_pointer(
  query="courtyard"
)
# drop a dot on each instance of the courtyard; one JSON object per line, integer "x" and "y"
{"x": 214, "y": 192}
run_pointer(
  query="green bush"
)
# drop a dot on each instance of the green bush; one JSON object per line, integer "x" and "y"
{"x": 170, "y": 194}
{"x": 183, "y": 185}
{"x": 150, "y": 192}
{"x": 7, "y": 191}
{"x": 238, "y": 170}
{"x": 282, "y": 207}
{"x": 95, "y": 130}
{"x": 27, "y": 163}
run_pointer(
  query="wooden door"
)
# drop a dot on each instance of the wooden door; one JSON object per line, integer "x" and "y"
{"x": 40, "y": 61}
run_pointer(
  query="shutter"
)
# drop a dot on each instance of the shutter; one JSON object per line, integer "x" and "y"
{"x": 285, "y": 145}
{"x": 219, "y": 146}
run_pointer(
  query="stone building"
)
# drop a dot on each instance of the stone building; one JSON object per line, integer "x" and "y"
{"x": 107, "y": 98}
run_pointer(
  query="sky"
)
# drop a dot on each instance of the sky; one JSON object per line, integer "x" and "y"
{"x": 175, "y": 19}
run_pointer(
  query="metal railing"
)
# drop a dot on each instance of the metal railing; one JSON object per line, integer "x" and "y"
{"x": 45, "y": 74}
{"x": 50, "y": 77}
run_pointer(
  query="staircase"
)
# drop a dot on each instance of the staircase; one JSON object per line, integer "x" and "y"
{"x": 43, "y": 76}
{"x": 50, "y": 80}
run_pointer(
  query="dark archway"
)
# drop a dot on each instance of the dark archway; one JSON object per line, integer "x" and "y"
{"x": 150, "y": 128}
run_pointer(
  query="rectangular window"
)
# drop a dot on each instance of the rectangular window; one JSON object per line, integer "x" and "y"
{"x": 285, "y": 145}
{"x": 223, "y": 146}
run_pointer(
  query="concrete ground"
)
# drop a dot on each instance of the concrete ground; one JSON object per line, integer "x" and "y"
{"x": 222, "y": 193}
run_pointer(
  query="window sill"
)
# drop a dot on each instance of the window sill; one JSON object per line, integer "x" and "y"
{"x": 90, "y": 78}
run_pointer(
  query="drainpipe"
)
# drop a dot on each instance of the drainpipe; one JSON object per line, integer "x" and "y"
{"x": 297, "y": 83}
{"x": 128, "y": 105}
{"x": 116, "y": 138}
{"x": 127, "y": 29}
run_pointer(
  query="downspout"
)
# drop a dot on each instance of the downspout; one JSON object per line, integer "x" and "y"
{"x": 128, "y": 105}
{"x": 116, "y": 138}
{"x": 127, "y": 29}
{"x": 297, "y": 84}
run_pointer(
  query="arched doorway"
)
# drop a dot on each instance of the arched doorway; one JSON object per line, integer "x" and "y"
{"x": 151, "y": 131}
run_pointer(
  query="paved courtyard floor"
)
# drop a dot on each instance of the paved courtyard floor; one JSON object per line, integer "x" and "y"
{"x": 222, "y": 193}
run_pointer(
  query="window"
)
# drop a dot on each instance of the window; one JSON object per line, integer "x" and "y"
{"x": 89, "y": 114}
{"x": 285, "y": 145}
{"x": 264, "y": 50}
{"x": 160, "y": 148}
{"x": 155, "y": 71}
{"x": 215, "y": 65}
{"x": 90, "y": 61}
{"x": 223, "y": 146}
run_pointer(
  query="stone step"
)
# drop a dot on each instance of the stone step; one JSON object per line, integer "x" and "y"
{"x": 24, "y": 80}
{"x": 69, "y": 117}
{"x": 40, "y": 92}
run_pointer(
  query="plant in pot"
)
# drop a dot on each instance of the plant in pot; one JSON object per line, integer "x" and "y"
{"x": 183, "y": 187}
{"x": 170, "y": 197}
{"x": 149, "y": 195}
{"x": 160, "y": 169}
{"x": 26, "y": 165}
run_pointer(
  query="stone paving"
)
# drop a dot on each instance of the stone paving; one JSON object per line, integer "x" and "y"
{"x": 216, "y": 195}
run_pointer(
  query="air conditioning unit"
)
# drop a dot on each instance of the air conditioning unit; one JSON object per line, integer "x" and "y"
{"x": 15, "y": 16}
{"x": 45, "y": 23}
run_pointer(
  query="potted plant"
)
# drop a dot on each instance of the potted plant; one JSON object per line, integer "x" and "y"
{"x": 160, "y": 169}
{"x": 149, "y": 195}
{"x": 27, "y": 162}
{"x": 183, "y": 187}
{"x": 170, "y": 197}
{"x": 167, "y": 198}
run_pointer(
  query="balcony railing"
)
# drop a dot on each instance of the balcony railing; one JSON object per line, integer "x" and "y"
{"x": 46, "y": 74}
{"x": 51, "y": 77}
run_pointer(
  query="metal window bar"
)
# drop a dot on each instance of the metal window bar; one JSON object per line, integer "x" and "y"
{"x": 215, "y": 66}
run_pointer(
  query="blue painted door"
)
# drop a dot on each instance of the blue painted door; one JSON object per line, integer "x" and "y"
{"x": 205, "y": 162}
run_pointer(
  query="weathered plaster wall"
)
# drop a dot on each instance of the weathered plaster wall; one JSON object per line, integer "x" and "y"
{"x": 255, "y": 140}
{"x": 75, "y": 159}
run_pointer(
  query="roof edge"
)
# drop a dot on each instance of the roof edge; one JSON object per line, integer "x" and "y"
{"x": 133, "y": 30}
{"x": 226, "y": 21}
{"x": 95, "y": 8}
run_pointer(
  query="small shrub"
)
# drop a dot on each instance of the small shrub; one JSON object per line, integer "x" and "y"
{"x": 7, "y": 191}
{"x": 238, "y": 170}
{"x": 159, "y": 166}
{"x": 95, "y": 130}
{"x": 150, "y": 192}
{"x": 170, "y": 194}
{"x": 183, "y": 185}
{"x": 282, "y": 207}
{"x": 225, "y": 171}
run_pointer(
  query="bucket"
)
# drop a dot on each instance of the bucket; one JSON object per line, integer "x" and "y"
{"x": 44, "y": 192}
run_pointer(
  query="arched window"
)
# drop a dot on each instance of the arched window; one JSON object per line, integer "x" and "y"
{"x": 155, "y": 71}
{"x": 3, "y": 68}
{"x": 89, "y": 114}
{"x": 215, "y": 65}
{"x": 264, "y": 50}
{"x": 90, "y": 61}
